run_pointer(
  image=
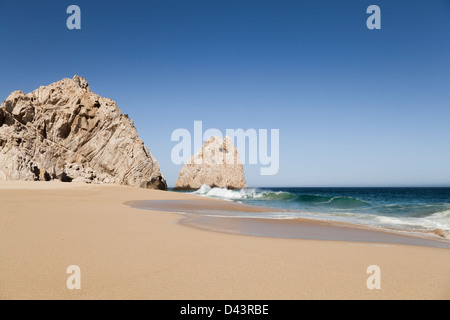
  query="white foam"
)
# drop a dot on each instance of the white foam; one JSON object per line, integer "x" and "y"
{"x": 442, "y": 214}
{"x": 204, "y": 189}
{"x": 225, "y": 194}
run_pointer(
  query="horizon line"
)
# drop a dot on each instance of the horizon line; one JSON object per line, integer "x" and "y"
{"x": 398, "y": 186}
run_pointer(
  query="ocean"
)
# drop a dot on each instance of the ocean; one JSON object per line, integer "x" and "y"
{"x": 418, "y": 209}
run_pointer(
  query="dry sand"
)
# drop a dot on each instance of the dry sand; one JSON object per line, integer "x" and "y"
{"x": 127, "y": 253}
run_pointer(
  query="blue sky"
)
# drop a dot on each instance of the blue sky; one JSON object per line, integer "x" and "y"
{"x": 355, "y": 107}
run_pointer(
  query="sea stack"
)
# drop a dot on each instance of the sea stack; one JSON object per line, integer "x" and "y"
{"x": 216, "y": 164}
{"x": 66, "y": 132}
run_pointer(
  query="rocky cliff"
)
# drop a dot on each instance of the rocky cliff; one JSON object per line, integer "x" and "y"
{"x": 216, "y": 164}
{"x": 66, "y": 132}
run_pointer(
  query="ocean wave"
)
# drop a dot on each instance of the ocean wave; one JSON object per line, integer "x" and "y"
{"x": 442, "y": 214}
{"x": 282, "y": 196}
{"x": 226, "y": 194}
{"x": 429, "y": 223}
{"x": 439, "y": 220}
{"x": 417, "y": 210}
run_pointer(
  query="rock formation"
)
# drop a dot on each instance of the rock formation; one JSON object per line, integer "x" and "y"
{"x": 216, "y": 164}
{"x": 66, "y": 132}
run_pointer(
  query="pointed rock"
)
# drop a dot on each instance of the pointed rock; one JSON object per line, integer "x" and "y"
{"x": 216, "y": 164}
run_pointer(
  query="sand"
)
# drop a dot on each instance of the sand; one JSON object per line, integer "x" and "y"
{"x": 129, "y": 253}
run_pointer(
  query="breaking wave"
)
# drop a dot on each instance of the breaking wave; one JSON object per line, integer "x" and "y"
{"x": 280, "y": 196}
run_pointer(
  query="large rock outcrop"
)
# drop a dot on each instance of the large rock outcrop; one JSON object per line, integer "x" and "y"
{"x": 66, "y": 132}
{"x": 216, "y": 164}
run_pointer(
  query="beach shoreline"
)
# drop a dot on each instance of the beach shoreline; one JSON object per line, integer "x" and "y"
{"x": 129, "y": 253}
{"x": 197, "y": 213}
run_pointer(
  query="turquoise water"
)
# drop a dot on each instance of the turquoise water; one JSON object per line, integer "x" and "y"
{"x": 399, "y": 208}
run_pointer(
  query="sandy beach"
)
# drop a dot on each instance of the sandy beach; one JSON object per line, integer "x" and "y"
{"x": 130, "y": 253}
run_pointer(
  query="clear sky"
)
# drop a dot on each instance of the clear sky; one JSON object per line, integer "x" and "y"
{"x": 355, "y": 107}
